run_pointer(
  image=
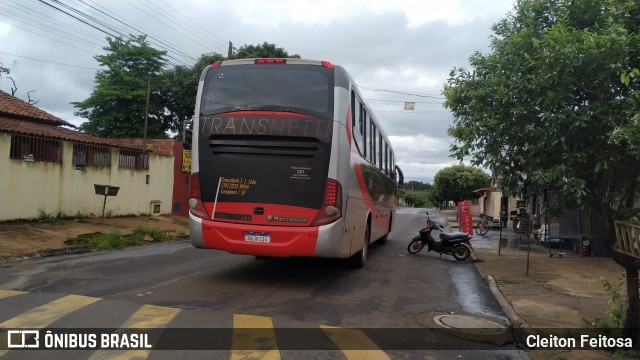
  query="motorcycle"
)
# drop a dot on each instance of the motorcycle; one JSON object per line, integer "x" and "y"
{"x": 456, "y": 244}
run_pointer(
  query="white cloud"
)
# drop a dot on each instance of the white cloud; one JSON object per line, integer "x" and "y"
{"x": 261, "y": 13}
{"x": 5, "y": 29}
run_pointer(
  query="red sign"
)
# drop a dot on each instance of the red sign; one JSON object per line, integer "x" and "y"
{"x": 465, "y": 218}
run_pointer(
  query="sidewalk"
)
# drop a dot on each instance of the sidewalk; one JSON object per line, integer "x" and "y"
{"x": 556, "y": 292}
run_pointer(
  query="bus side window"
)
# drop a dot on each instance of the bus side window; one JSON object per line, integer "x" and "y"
{"x": 373, "y": 143}
{"x": 386, "y": 158}
{"x": 363, "y": 116}
{"x": 380, "y": 159}
{"x": 356, "y": 121}
{"x": 364, "y": 135}
{"x": 353, "y": 109}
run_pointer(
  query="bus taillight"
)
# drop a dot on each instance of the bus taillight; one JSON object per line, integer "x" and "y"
{"x": 331, "y": 209}
{"x": 195, "y": 202}
{"x": 270, "y": 61}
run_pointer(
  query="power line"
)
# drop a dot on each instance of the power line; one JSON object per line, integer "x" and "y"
{"x": 111, "y": 30}
{"x": 195, "y": 36}
{"x": 31, "y": 17}
{"x": 220, "y": 41}
{"x": 98, "y": 19}
{"x": 77, "y": 18}
{"x": 52, "y": 39}
{"x": 402, "y": 93}
{"x": 160, "y": 20}
{"x": 50, "y": 62}
{"x": 164, "y": 45}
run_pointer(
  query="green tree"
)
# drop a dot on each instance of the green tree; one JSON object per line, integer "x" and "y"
{"x": 116, "y": 107}
{"x": 556, "y": 98}
{"x": 264, "y": 50}
{"x": 177, "y": 91}
{"x": 458, "y": 182}
{"x": 416, "y": 185}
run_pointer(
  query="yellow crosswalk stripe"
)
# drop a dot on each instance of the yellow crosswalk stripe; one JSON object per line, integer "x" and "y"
{"x": 254, "y": 338}
{"x": 147, "y": 317}
{"x": 348, "y": 339}
{"x": 10, "y": 293}
{"x": 44, "y": 315}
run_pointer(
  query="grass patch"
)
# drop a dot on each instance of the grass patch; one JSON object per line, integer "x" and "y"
{"x": 45, "y": 217}
{"x": 157, "y": 235}
{"x": 114, "y": 240}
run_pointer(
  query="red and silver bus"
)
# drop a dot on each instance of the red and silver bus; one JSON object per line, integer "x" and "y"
{"x": 288, "y": 160}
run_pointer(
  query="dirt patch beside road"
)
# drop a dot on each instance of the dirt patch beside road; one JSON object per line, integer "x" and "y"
{"x": 27, "y": 237}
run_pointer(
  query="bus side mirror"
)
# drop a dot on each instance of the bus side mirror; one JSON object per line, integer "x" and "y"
{"x": 400, "y": 176}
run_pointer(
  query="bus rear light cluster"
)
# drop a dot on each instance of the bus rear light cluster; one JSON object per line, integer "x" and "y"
{"x": 331, "y": 209}
{"x": 195, "y": 204}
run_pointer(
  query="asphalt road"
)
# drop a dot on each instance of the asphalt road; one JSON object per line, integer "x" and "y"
{"x": 392, "y": 300}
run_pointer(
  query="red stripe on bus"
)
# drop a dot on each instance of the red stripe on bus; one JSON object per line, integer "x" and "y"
{"x": 376, "y": 216}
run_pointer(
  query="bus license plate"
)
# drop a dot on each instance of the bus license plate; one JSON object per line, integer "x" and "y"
{"x": 257, "y": 237}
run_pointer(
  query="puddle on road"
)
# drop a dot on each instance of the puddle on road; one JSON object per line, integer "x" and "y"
{"x": 473, "y": 294}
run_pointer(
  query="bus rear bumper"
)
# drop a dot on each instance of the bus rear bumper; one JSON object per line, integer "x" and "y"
{"x": 195, "y": 231}
{"x": 283, "y": 241}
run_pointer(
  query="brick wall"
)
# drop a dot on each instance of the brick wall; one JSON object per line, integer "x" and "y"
{"x": 157, "y": 146}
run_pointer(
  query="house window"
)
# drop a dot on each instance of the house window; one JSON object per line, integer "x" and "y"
{"x": 133, "y": 159}
{"x": 91, "y": 155}
{"x": 30, "y": 148}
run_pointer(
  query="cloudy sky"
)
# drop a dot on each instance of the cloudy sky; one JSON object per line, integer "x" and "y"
{"x": 397, "y": 51}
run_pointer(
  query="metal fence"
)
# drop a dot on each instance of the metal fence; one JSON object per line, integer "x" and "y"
{"x": 91, "y": 155}
{"x": 31, "y": 148}
{"x": 133, "y": 159}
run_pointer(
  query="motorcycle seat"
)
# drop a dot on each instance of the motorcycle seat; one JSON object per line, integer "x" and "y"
{"x": 454, "y": 236}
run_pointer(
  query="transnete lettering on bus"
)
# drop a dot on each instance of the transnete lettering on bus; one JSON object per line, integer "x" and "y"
{"x": 288, "y": 160}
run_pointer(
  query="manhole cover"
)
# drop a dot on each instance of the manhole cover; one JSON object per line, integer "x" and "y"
{"x": 470, "y": 324}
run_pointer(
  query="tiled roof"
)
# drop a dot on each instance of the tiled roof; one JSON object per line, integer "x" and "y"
{"x": 158, "y": 146}
{"x": 23, "y": 127}
{"x": 12, "y": 107}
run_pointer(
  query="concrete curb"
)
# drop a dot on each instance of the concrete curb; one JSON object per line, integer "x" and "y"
{"x": 45, "y": 253}
{"x": 516, "y": 321}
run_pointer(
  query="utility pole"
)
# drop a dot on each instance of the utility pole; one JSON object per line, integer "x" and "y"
{"x": 230, "y": 52}
{"x": 146, "y": 117}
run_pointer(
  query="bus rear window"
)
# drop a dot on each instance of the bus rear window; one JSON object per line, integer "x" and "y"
{"x": 302, "y": 89}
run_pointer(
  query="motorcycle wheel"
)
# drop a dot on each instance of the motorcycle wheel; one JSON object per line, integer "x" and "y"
{"x": 461, "y": 252}
{"x": 415, "y": 246}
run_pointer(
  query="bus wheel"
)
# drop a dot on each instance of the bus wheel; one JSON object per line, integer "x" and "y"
{"x": 358, "y": 260}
